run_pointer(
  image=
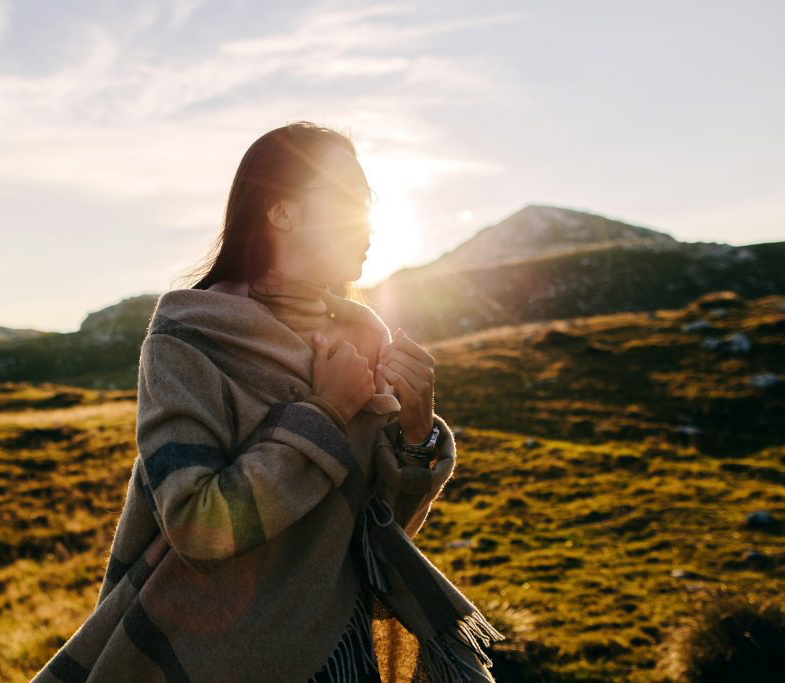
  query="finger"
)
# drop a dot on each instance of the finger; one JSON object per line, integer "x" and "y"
{"x": 410, "y": 347}
{"x": 405, "y": 390}
{"x": 319, "y": 346}
{"x": 418, "y": 368}
{"x": 415, "y": 378}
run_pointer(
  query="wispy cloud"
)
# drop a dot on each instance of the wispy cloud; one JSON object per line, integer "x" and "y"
{"x": 5, "y": 16}
{"x": 126, "y": 121}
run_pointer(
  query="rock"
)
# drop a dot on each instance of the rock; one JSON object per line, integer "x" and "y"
{"x": 687, "y": 574}
{"x": 461, "y": 543}
{"x": 696, "y": 325}
{"x": 768, "y": 382}
{"x": 733, "y": 343}
{"x": 765, "y": 379}
{"x": 689, "y": 430}
{"x": 761, "y": 519}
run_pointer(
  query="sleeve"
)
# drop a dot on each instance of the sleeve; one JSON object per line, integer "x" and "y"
{"x": 408, "y": 485}
{"x": 211, "y": 503}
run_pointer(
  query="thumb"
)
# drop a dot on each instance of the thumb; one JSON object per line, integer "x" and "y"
{"x": 320, "y": 346}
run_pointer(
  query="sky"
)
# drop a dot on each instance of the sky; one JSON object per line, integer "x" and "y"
{"x": 122, "y": 124}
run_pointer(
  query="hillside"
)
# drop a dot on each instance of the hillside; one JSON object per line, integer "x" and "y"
{"x": 610, "y": 472}
{"x": 103, "y": 353}
{"x": 593, "y": 280}
{"x": 537, "y": 231}
{"x": 541, "y": 263}
{"x": 10, "y": 334}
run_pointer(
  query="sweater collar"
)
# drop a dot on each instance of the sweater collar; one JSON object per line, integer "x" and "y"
{"x": 302, "y": 305}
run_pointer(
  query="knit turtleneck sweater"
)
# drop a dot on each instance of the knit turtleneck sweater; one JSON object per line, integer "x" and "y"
{"x": 305, "y": 307}
{"x": 302, "y": 305}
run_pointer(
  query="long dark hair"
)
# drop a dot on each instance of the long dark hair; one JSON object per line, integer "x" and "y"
{"x": 273, "y": 167}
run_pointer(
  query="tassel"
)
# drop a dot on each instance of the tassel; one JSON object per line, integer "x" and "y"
{"x": 445, "y": 665}
{"x": 341, "y": 666}
{"x": 474, "y": 626}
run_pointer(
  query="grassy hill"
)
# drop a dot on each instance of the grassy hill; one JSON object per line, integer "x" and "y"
{"x": 103, "y": 353}
{"x": 607, "y": 467}
{"x": 587, "y": 281}
{"x": 541, "y": 263}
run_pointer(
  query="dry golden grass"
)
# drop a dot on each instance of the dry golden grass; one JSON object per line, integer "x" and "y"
{"x": 582, "y": 518}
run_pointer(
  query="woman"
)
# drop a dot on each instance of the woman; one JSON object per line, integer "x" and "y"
{"x": 265, "y": 535}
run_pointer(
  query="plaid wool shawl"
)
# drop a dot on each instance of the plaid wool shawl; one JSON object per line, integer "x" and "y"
{"x": 262, "y": 538}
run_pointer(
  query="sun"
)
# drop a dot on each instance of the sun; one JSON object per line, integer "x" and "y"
{"x": 396, "y": 236}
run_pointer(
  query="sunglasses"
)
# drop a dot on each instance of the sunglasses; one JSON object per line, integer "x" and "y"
{"x": 362, "y": 195}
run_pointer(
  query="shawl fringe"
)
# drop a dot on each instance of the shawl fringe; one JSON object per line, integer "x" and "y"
{"x": 444, "y": 665}
{"x": 341, "y": 665}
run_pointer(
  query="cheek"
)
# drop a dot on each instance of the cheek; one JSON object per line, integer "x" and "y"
{"x": 331, "y": 236}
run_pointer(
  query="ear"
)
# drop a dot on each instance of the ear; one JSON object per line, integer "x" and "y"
{"x": 279, "y": 215}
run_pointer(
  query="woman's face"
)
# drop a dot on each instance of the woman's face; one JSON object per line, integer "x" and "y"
{"x": 330, "y": 224}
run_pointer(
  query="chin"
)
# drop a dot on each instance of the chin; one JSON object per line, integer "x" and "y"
{"x": 355, "y": 274}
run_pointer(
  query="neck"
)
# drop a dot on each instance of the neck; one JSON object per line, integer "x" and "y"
{"x": 301, "y": 304}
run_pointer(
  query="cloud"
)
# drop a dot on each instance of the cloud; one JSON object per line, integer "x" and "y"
{"x": 182, "y": 10}
{"x": 125, "y": 119}
{"x": 5, "y": 17}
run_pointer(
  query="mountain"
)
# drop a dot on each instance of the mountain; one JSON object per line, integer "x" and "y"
{"x": 540, "y": 263}
{"x": 103, "y": 353}
{"x": 537, "y": 231}
{"x": 546, "y": 262}
{"x": 16, "y": 334}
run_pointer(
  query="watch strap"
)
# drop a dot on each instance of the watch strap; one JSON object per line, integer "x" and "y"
{"x": 424, "y": 451}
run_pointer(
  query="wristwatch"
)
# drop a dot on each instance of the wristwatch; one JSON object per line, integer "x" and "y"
{"x": 425, "y": 450}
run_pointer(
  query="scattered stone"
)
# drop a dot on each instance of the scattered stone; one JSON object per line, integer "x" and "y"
{"x": 687, "y": 574}
{"x": 761, "y": 519}
{"x": 690, "y": 430}
{"x": 764, "y": 380}
{"x": 733, "y": 343}
{"x": 462, "y": 543}
{"x": 768, "y": 382}
{"x": 696, "y": 325}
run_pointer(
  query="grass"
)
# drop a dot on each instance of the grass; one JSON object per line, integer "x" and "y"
{"x": 584, "y": 518}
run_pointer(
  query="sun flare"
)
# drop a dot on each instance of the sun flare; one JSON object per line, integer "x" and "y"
{"x": 396, "y": 235}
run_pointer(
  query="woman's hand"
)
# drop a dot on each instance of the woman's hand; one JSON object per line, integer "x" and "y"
{"x": 343, "y": 378}
{"x": 410, "y": 369}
